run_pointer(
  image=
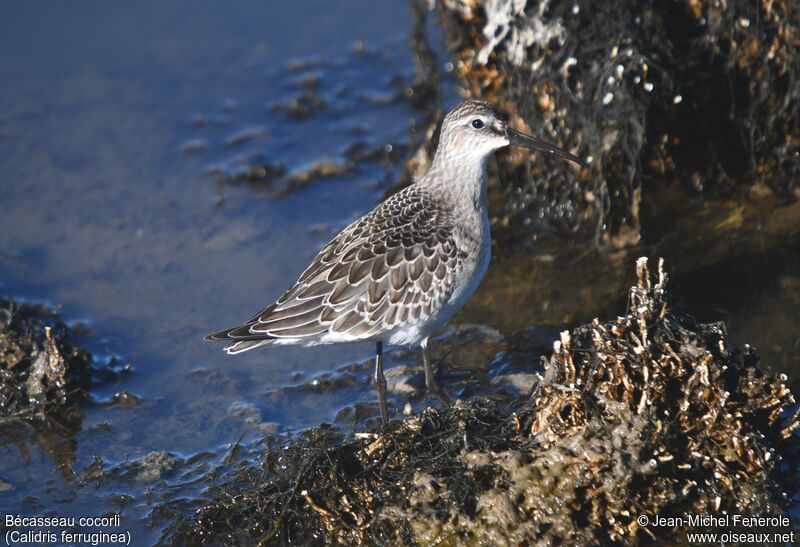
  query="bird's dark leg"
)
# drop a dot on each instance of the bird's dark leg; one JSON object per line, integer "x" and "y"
{"x": 430, "y": 380}
{"x": 380, "y": 382}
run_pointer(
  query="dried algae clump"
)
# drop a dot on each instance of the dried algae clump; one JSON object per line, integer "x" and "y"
{"x": 652, "y": 413}
{"x": 706, "y": 422}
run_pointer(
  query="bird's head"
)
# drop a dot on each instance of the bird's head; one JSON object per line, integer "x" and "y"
{"x": 474, "y": 129}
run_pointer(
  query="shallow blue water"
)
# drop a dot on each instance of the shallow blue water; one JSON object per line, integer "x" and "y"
{"x": 116, "y": 123}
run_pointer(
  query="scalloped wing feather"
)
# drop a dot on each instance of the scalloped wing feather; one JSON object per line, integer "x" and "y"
{"x": 391, "y": 268}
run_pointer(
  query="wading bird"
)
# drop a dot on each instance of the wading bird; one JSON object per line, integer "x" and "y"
{"x": 398, "y": 273}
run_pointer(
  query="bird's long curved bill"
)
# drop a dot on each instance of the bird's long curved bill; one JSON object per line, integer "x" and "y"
{"x": 515, "y": 138}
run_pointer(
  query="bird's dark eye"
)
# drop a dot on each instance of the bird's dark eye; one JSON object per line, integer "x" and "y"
{"x": 477, "y": 124}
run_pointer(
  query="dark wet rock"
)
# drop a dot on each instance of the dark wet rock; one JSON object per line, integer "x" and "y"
{"x": 650, "y": 413}
{"x": 213, "y": 380}
{"x": 301, "y": 106}
{"x": 156, "y": 473}
{"x": 45, "y": 382}
{"x": 405, "y": 379}
{"x": 357, "y": 414}
{"x": 701, "y": 93}
{"x": 326, "y": 382}
{"x": 376, "y": 99}
{"x": 246, "y": 412}
{"x": 261, "y": 175}
{"x": 517, "y": 383}
{"x": 41, "y": 371}
{"x": 319, "y": 170}
{"x": 123, "y": 399}
{"x": 102, "y": 427}
{"x": 274, "y": 178}
{"x": 120, "y": 501}
{"x": 249, "y": 414}
{"x": 363, "y": 152}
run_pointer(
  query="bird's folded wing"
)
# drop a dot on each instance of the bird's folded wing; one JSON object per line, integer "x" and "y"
{"x": 393, "y": 267}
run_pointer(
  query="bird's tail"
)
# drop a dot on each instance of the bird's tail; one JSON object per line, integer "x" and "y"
{"x": 239, "y": 343}
{"x": 245, "y": 345}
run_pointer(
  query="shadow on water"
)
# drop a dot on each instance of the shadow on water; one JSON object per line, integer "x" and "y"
{"x": 167, "y": 186}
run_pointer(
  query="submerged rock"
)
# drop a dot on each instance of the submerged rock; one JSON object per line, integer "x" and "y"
{"x": 302, "y": 106}
{"x": 650, "y": 414}
{"x": 155, "y": 466}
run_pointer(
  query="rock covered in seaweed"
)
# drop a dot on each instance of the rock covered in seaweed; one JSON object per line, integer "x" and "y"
{"x": 702, "y": 93}
{"x": 651, "y": 413}
{"x": 46, "y": 380}
{"x": 41, "y": 371}
{"x": 702, "y": 423}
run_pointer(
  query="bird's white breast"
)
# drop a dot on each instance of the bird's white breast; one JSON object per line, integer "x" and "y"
{"x": 475, "y": 239}
{"x": 474, "y": 267}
